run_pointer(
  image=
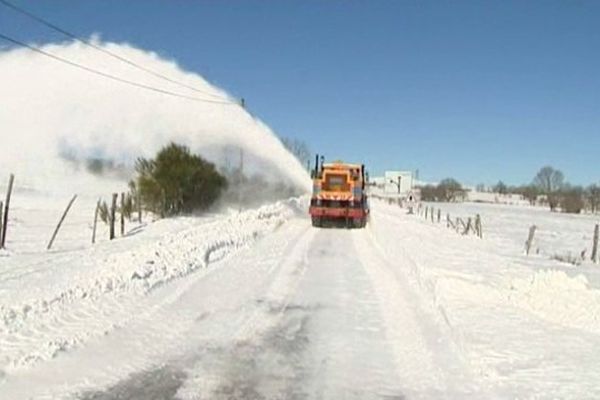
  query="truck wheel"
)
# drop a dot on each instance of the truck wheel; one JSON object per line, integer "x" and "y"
{"x": 360, "y": 222}
{"x": 316, "y": 222}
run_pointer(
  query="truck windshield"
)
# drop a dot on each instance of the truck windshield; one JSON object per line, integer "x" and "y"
{"x": 336, "y": 182}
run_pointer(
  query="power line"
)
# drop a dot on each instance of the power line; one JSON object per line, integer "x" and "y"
{"x": 109, "y": 76}
{"x": 103, "y": 50}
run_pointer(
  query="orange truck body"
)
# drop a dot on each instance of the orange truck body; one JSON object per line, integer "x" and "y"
{"x": 339, "y": 195}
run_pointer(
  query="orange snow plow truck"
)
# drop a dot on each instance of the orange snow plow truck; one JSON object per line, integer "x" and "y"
{"x": 339, "y": 197}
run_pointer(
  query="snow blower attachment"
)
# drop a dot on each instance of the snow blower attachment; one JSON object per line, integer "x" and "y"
{"x": 339, "y": 197}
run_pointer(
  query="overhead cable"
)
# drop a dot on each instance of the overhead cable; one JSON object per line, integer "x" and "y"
{"x": 102, "y": 49}
{"x": 110, "y": 76}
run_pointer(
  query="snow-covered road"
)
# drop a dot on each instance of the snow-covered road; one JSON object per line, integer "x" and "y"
{"x": 394, "y": 311}
{"x": 304, "y": 313}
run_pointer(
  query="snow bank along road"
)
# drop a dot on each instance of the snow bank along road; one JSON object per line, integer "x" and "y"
{"x": 260, "y": 305}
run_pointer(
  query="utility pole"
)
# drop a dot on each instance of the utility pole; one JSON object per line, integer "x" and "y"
{"x": 397, "y": 183}
{"x": 6, "y": 207}
{"x": 113, "y": 210}
{"x": 241, "y": 178}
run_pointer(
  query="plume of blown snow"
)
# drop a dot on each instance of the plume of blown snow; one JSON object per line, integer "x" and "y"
{"x": 52, "y": 114}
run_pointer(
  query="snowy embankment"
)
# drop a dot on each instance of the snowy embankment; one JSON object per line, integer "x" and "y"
{"x": 555, "y": 290}
{"x": 50, "y": 302}
{"x": 528, "y": 326}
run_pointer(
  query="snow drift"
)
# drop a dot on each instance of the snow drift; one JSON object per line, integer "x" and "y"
{"x": 52, "y": 112}
{"x": 34, "y": 295}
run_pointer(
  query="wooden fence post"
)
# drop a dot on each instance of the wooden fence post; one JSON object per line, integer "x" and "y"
{"x": 61, "y": 221}
{"x": 462, "y": 223}
{"x": 139, "y": 207}
{"x": 426, "y": 211}
{"x": 432, "y": 215}
{"x": 595, "y": 244}
{"x": 439, "y": 216}
{"x": 530, "y": 238}
{"x": 478, "y": 226}
{"x": 122, "y": 213}
{"x": 467, "y": 227}
{"x": 113, "y": 210}
{"x": 1, "y": 229}
{"x": 448, "y": 220}
{"x": 456, "y": 225}
{"x": 95, "y": 221}
{"x": 6, "y": 208}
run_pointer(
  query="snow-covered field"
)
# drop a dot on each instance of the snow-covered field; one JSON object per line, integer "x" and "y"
{"x": 258, "y": 304}
{"x": 508, "y": 226}
{"x": 528, "y": 327}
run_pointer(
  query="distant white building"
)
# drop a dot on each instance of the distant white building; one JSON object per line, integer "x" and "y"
{"x": 398, "y": 182}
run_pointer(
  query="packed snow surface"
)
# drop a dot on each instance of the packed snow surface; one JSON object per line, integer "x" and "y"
{"x": 258, "y": 304}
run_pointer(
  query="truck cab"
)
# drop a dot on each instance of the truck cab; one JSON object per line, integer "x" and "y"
{"x": 339, "y": 196}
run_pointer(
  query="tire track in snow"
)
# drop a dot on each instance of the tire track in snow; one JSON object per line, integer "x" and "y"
{"x": 414, "y": 359}
{"x": 320, "y": 335}
{"x": 229, "y": 370}
{"x": 401, "y": 281}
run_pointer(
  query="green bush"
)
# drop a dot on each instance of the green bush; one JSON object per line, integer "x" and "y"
{"x": 177, "y": 181}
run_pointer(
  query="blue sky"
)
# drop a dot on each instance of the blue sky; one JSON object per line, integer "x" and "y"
{"x": 477, "y": 90}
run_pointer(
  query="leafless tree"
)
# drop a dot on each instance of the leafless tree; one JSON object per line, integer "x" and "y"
{"x": 593, "y": 197}
{"x": 451, "y": 190}
{"x": 500, "y": 188}
{"x": 550, "y": 181}
{"x": 298, "y": 148}
{"x": 529, "y": 192}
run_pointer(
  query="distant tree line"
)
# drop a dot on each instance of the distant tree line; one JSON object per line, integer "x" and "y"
{"x": 448, "y": 190}
{"x": 548, "y": 187}
{"x": 299, "y": 149}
